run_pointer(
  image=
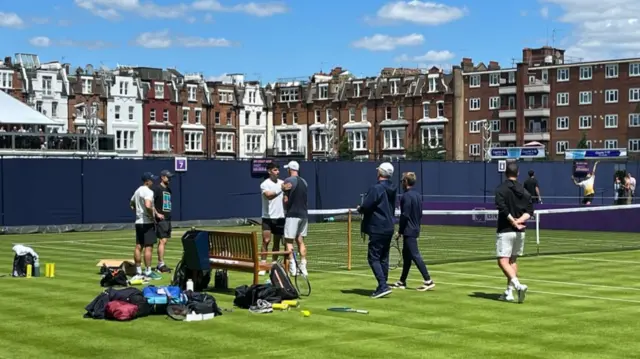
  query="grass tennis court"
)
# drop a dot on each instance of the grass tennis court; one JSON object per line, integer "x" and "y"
{"x": 579, "y": 305}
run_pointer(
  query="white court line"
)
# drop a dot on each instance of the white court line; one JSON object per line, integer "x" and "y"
{"x": 415, "y": 280}
{"x": 596, "y": 259}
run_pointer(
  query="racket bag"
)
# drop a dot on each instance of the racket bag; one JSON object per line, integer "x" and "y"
{"x": 163, "y": 295}
{"x": 280, "y": 279}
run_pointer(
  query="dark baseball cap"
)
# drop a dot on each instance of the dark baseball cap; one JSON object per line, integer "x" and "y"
{"x": 148, "y": 176}
{"x": 166, "y": 173}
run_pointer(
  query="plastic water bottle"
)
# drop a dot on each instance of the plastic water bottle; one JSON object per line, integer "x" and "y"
{"x": 190, "y": 285}
{"x": 36, "y": 268}
{"x": 329, "y": 219}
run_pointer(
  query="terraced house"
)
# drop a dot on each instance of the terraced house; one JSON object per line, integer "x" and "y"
{"x": 290, "y": 118}
{"x": 88, "y": 95}
{"x": 223, "y": 115}
{"x": 124, "y": 112}
{"x": 255, "y": 117}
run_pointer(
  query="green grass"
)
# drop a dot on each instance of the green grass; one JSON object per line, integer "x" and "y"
{"x": 579, "y": 305}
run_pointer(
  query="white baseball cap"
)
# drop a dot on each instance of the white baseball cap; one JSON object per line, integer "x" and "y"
{"x": 385, "y": 169}
{"x": 293, "y": 165}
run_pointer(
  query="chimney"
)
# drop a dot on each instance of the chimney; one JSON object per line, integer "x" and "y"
{"x": 67, "y": 67}
{"x": 527, "y": 55}
{"x": 467, "y": 64}
{"x": 494, "y": 65}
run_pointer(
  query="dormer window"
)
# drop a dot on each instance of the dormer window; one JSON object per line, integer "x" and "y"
{"x": 433, "y": 84}
{"x": 192, "y": 89}
{"x": 87, "y": 86}
{"x": 394, "y": 87}
{"x": 357, "y": 90}
{"x": 159, "y": 88}
{"x": 323, "y": 91}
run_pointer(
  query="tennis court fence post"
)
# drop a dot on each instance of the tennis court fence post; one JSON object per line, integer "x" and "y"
{"x": 349, "y": 240}
{"x": 537, "y": 233}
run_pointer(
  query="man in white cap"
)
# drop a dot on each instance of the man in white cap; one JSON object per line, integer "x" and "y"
{"x": 378, "y": 208}
{"x": 296, "y": 218}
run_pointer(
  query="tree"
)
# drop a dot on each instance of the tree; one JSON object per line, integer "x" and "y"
{"x": 344, "y": 150}
{"x": 420, "y": 153}
{"x": 583, "y": 141}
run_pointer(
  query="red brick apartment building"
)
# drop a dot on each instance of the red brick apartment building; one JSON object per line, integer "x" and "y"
{"x": 552, "y": 101}
{"x": 87, "y": 93}
{"x": 11, "y": 80}
{"x": 223, "y": 114}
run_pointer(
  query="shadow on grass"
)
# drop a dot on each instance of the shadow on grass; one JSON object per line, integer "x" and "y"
{"x": 482, "y": 295}
{"x": 361, "y": 292}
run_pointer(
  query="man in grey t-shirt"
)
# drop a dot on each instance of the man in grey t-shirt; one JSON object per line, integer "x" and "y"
{"x": 296, "y": 218}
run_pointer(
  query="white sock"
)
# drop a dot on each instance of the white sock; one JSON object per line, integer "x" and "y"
{"x": 148, "y": 271}
{"x": 160, "y": 264}
{"x": 515, "y": 282}
{"x": 138, "y": 270}
{"x": 510, "y": 288}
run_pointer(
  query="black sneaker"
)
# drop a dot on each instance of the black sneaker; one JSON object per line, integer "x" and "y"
{"x": 427, "y": 285}
{"x": 163, "y": 269}
{"x": 381, "y": 293}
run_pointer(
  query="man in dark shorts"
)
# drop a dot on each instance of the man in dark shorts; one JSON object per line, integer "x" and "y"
{"x": 532, "y": 186}
{"x": 142, "y": 204}
{"x": 272, "y": 211}
{"x": 162, "y": 204}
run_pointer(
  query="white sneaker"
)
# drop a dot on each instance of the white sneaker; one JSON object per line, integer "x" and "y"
{"x": 522, "y": 293}
{"x": 292, "y": 269}
{"x": 507, "y": 297}
{"x": 303, "y": 268}
{"x": 262, "y": 272}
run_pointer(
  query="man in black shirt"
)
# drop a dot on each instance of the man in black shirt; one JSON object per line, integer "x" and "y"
{"x": 532, "y": 186}
{"x": 162, "y": 206}
{"x": 514, "y": 206}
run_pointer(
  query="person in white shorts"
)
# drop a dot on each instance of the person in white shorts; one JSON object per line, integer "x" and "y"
{"x": 515, "y": 207}
{"x": 296, "y": 218}
{"x": 272, "y": 211}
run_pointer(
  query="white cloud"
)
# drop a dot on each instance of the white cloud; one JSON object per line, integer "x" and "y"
{"x": 601, "y": 28}
{"x": 40, "y": 41}
{"x": 380, "y": 42}
{"x": 9, "y": 19}
{"x": 544, "y": 12}
{"x": 163, "y": 39}
{"x": 430, "y": 56}
{"x": 113, "y": 9}
{"x": 40, "y": 20}
{"x": 419, "y": 12}
{"x": 252, "y": 8}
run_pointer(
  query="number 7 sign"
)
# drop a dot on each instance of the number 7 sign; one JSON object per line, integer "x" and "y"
{"x": 180, "y": 164}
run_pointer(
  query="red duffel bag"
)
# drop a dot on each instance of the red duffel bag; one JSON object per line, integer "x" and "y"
{"x": 120, "y": 310}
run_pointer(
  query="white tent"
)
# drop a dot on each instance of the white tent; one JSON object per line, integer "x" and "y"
{"x": 12, "y": 111}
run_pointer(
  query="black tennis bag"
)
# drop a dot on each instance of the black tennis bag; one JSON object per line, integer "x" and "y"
{"x": 280, "y": 279}
{"x": 182, "y": 274}
{"x": 247, "y": 296}
{"x": 20, "y": 264}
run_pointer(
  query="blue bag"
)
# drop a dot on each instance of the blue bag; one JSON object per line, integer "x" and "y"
{"x": 164, "y": 295}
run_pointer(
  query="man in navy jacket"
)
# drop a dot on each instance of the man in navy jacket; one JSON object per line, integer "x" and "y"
{"x": 378, "y": 207}
{"x": 410, "y": 221}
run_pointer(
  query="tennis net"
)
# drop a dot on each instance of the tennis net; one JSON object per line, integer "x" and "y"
{"x": 335, "y": 240}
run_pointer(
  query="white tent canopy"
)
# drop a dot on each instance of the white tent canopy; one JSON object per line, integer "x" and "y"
{"x": 12, "y": 111}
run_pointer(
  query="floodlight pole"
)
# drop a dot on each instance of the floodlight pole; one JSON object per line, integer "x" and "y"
{"x": 486, "y": 140}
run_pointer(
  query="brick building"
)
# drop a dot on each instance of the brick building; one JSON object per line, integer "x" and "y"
{"x": 291, "y": 118}
{"x": 87, "y": 93}
{"x": 223, "y": 120}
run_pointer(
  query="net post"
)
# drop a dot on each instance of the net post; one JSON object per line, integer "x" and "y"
{"x": 538, "y": 233}
{"x": 349, "y": 240}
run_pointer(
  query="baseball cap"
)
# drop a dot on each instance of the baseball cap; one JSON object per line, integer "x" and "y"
{"x": 148, "y": 176}
{"x": 293, "y": 165}
{"x": 385, "y": 169}
{"x": 166, "y": 173}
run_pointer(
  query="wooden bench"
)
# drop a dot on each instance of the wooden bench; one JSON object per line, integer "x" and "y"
{"x": 239, "y": 252}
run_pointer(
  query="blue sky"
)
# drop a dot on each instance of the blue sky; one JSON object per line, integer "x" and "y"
{"x": 269, "y": 40}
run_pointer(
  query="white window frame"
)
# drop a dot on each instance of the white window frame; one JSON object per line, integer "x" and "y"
{"x": 394, "y": 87}
{"x": 634, "y": 95}
{"x": 364, "y": 113}
{"x": 561, "y": 146}
{"x": 87, "y": 85}
{"x": 433, "y": 84}
{"x": 358, "y": 139}
{"x": 475, "y": 81}
{"x": 193, "y": 141}
{"x": 225, "y": 142}
{"x": 432, "y": 136}
{"x": 327, "y": 114}
{"x": 610, "y": 144}
{"x": 562, "y": 99}
{"x": 294, "y": 117}
{"x": 474, "y": 150}
{"x": 425, "y": 110}
{"x": 193, "y": 92}
{"x": 6, "y": 80}
{"x": 317, "y": 116}
{"x": 185, "y": 115}
{"x": 400, "y": 112}
{"x": 562, "y": 75}
{"x": 511, "y": 77}
{"x": 586, "y": 72}
{"x": 585, "y": 98}
{"x": 131, "y": 111}
{"x": 393, "y": 138}
{"x": 634, "y": 120}
{"x": 320, "y": 141}
{"x": 611, "y": 71}
{"x": 152, "y": 115}
{"x": 611, "y": 96}
{"x": 253, "y": 142}
{"x": 124, "y": 88}
{"x": 165, "y": 115}
{"x": 160, "y": 140}
{"x": 634, "y": 69}
{"x": 633, "y": 145}
{"x": 474, "y": 126}
{"x": 352, "y": 114}
{"x": 323, "y": 91}
{"x": 125, "y": 140}
{"x": 291, "y": 94}
{"x": 585, "y": 122}
{"x": 357, "y": 89}
{"x": 440, "y": 109}
{"x": 494, "y": 103}
{"x": 159, "y": 90}
{"x": 495, "y": 125}
{"x": 289, "y": 142}
{"x": 494, "y": 80}
{"x": 474, "y": 104}
{"x": 611, "y": 121}
{"x": 387, "y": 113}
{"x": 198, "y": 113}
{"x": 562, "y": 123}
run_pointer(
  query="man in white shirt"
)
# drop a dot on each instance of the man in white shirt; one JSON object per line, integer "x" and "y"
{"x": 632, "y": 184}
{"x": 272, "y": 211}
{"x": 142, "y": 204}
{"x": 588, "y": 185}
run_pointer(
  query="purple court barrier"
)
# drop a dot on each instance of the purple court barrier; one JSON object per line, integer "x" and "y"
{"x": 623, "y": 220}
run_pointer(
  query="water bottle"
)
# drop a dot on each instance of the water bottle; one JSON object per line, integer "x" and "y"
{"x": 36, "y": 268}
{"x": 190, "y": 285}
{"x": 329, "y": 219}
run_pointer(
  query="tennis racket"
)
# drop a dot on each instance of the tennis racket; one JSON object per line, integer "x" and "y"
{"x": 348, "y": 310}
{"x": 301, "y": 281}
{"x": 395, "y": 254}
{"x": 177, "y": 311}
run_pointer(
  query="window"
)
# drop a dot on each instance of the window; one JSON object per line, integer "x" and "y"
{"x": 634, "y": 145}
{"x": 216, "y": 118}
{"x": 610, "y": 144}
{"x": 289, "y": 95}
{"x": 357, "y": 89}
{"x": 387, "y": 113}
{"x": 193, "y": 90}
{"x": 352, "y": 114}
{"x": 474, "y": 126}
{"x": 440, "y": 108}
{"x": 544, "y": 100}
{"x": 130, "y": 113}
{"x": 152, "y": 115}
{"x": 125, "y": 140}
{"x": 562, "y": 123}
{"x": 561, "y": 146}
{"x": 394, "y": 139}
{"x": 363, "y": 114}
{"x": 611, "y": 71}
{"x": 474, "y": 104}
{"x": 160, "y": 140}
{"x": 589, "y": 144}
{"x": 585, "y": 97}
{"x": 563, "y": 99}
{"x": 532, "y": 80}
{"x": 610, "y": 121}
{"x": 283, "y": 118}
{"x": 289, "y": 142}
{"x": 253, "y": 143}
{"x": 474, "y": 149}
{"x": 323, "y": 91}
{"x": 124, "y": 88}
{"x": 634, "y": 95}
{"x": 511, "y": 77}
{"x": 358, "y": 139}
{"x": 425, "y": 110}
{"x": 6, "y": 79}
{"x": 165, "y": 115}
{"x": 46, "y": 85}
{"x": 198, "y": 116}
{"x": 495, "y": 125}
{"x": 393, "y": 87}
{"x": 433, "y": 136}
{"x": 634, "y": 69}
{"x": 586, "y": 72}
{"x": 400, "y": 112}
{"x": 294, "y": 118}
{"x": 258, "y": 116}
{"x": 532, "y": 102}
{"x": 317, "y": 116}
{"x": 562, "y": 75}
{"x": 433, "y": 84}
{"x": 494, "y": 102}
{"x": 584, "y": 122}
{"x": 185, "y": 115}
{"x": 87, "y": 87}
{"x": 54, "y": 109}
{"x": 224, "y": 142}
{"x": 494, "y": 80}
{"x": 320, "y": 141}
{"x": 328, "y": 114}
{"x": 39, "y": 106}
{"x": 634, "y": 120}
{"x": 511, "y": 126}
{"x": 159, "y": 90}
{"x": 474, "y": 81}
{"x": 193, "y": 141}
{"x": 610, "y": 96}
{"x": 229, "y": 119}
{"x": 511, "y": 103}
{"x": 247, "y": 116}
